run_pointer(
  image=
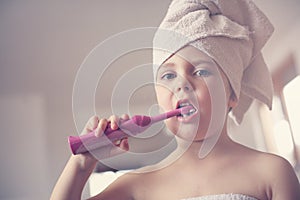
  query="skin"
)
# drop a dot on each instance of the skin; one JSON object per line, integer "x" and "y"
{"x": 228, "y": 168}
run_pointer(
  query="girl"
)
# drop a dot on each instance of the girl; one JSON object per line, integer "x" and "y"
{"x": 216, "y": 67}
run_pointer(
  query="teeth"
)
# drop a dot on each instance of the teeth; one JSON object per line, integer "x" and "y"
{"x": 184, "y": 104}
{"x": 191, "y": 111}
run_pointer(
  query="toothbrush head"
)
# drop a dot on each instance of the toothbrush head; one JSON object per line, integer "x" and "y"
{"x": 185, "y": 110}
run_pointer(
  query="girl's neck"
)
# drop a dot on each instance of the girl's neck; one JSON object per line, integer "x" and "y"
{"x": 215, "y": 147}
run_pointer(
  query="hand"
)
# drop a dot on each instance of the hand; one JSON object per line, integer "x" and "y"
{"x": 98, "y": 126}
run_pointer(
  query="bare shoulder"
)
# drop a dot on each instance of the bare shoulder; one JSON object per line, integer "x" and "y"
{"x": 278, "y": 174}
{"x": 281, "y": 177}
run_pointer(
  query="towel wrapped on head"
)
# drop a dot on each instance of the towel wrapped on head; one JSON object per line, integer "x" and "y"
{"x": 232, "y": 32}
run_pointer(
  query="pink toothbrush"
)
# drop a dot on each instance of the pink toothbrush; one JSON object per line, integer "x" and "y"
{"x": 137, "y": 124}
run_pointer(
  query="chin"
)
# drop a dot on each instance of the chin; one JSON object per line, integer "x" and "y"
{"x": 189, "y": 132}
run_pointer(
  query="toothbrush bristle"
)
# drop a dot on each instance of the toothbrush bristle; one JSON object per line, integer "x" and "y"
{"x": 185, "y": 110}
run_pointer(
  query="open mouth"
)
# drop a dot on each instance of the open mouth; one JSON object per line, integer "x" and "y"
{"x": 191, "y": 111}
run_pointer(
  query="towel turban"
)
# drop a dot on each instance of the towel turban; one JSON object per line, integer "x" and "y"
{"x": 232, "y": 33}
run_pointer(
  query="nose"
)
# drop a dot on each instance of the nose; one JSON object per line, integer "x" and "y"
{"x": 183, "y": 85}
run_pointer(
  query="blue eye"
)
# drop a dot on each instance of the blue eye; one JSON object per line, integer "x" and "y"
{"x": 168, "y": 76}
{"x": 202, "y": 73}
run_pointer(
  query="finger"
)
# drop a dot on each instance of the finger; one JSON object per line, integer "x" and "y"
{"x": 125, "y": 117}
{"x": 111, "y": 150}
{"x": 122, "y": 148}
{"x": 124, "y": 144}
{"x": 101, "y": 127}
{"x": 91, "y": 124}
{"x": 117, "y": 142}
{"x": 114, "y": 122}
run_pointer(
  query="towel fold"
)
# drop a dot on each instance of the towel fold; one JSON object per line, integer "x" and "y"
{"x": 232, "y": 32}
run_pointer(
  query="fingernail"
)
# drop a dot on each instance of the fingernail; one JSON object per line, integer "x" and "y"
{"x": 114, "y": 126}
{"x": 117, "y": 142}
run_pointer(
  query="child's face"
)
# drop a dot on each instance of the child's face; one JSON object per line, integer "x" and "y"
{"x": 197, "y": 82}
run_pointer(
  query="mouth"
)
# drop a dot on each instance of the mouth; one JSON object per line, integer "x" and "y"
{"x": 185, "y": 103}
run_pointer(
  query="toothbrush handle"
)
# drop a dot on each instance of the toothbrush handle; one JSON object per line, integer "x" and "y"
{"x": 87, "y": 142}
{"x": 137, "y": 124}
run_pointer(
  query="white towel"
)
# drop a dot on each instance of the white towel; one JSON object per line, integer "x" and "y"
{"x": 232, "y": 32}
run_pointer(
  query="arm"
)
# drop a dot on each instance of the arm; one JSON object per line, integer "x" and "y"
{"x": 79, "y": 167}
{"x": 284, "y": 182}
{"x": 73, "y": 178}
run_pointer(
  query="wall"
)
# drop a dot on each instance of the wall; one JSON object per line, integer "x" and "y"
{"x": 42, "y": 45}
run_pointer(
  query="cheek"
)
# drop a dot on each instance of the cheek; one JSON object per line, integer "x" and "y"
{"x": 215, "y": 110}
{"x": 163, "y": 96}
{"x": 204, "y": 99}
{"x": 205, "y": 109}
